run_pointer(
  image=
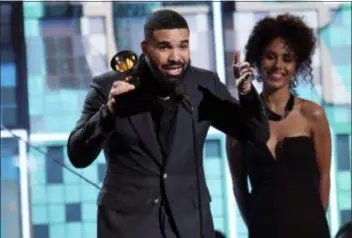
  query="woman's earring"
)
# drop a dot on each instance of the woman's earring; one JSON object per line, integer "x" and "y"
{"x": 294, "y": 82}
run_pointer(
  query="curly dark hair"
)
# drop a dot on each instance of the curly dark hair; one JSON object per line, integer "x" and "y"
{"x": 295, "y": 32}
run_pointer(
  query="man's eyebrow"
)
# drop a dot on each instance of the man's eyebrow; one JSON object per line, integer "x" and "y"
{"x": 164, "y": 43}
{"x": 167, "y": 43}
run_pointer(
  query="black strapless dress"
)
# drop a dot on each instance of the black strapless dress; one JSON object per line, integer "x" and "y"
{"x": 285, "y": 201}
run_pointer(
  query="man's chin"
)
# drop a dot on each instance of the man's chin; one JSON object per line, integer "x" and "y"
{"x": 173, "y": 77}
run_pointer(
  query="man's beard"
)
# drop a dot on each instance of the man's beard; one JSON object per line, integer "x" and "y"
{"x": 165, "y": 82}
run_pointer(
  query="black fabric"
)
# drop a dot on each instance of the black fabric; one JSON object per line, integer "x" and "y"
{"x": 166, "y": 220}
{"x": 288, "y": 108}
{"x": 283, "y": 188}
{"x": 164, "y": 116}
{"x": 134, "y": 184}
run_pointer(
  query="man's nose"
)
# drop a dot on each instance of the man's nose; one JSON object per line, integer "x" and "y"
{"x": 174, "y": 56}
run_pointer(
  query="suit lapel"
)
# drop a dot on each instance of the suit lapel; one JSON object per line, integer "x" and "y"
{"x": 143, "y": 125}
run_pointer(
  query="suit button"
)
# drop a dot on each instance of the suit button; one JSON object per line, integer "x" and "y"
{"x": 165, "y": 175}
{"x": 156, "y": 200}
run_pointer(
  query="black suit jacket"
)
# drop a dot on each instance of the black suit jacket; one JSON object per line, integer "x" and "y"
{"x": 133, "y": 156}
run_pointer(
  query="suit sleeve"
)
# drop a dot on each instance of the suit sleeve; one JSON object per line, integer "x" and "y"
{"x": 92, "y": 129}
{"x": 244, "y": 120}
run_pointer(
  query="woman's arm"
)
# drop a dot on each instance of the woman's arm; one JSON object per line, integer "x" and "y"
{"x": 322, "y": 142}
{"x": 239, "y": 176}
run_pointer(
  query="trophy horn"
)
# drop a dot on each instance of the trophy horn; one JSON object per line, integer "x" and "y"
{"x": 124, "y": 61}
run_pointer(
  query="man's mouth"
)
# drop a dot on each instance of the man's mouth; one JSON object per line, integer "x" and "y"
{"x": 173, "y": 70}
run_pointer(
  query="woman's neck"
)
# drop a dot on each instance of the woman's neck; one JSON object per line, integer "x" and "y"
{"x": 276, "y": 100}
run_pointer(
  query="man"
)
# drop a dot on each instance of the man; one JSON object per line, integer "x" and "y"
{"x": 149, "y": 134}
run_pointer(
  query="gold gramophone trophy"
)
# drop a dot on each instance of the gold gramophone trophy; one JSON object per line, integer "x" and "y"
{"x": 125, "y": 62}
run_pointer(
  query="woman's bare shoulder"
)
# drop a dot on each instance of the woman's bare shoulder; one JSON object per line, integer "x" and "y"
{"x": 312, "y": 111}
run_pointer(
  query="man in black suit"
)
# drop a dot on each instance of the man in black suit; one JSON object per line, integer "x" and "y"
{"x": 153, "y": 135}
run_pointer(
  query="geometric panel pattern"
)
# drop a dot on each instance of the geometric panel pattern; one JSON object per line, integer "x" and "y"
{"x": 8, "y": 73}
{"x": 64, "y": 51}
{"x": 214, "y": 167}
{"x": 337, "y": 38}
{"x": 63, "y": 54}
{"x": 64, "y": 206}
{"x": 10, "y": 189}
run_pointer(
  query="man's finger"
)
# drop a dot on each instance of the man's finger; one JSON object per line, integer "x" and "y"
{"x": 245, "y": 70}
{"x": 114, "y": 92}
{"x": 128, "y": 78}
{"x": 240, "y": 68}
{"x": 122, "y": 84}
{"x": 244, "y": 77}
{"x": 242, "y": 65}
{"x": 122, "y": 88}
{"x": 119, "y": 83}
{"x": 115, "y": 84}
{"x": 131, "y": 87}
{"x": 237, "y": 57}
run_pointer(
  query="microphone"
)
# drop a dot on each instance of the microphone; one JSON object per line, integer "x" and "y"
{"x": 179, "y": 92}
{"x": 180, "y": 95}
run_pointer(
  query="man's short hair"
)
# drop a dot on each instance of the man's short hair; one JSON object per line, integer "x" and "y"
{"x": 163, "y": 19}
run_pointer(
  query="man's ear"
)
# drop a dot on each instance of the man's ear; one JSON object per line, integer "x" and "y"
{"x": 144, "y": 47}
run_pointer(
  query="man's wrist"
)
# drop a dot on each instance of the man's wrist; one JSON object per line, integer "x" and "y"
{"x": 244, "y": 87}
{"x": 245, "y": 91}
{"x": 248, "y": 95}
{"x": 106, "y": 118}
{"x": 105, "y": 111}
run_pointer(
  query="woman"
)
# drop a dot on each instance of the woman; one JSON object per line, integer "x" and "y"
{"x": 289, "y": 174}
